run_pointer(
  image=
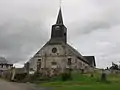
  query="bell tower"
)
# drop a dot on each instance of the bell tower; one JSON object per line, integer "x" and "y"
{"x": 59, "y": 31}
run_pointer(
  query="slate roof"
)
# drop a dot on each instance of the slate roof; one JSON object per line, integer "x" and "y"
{"x": 59, "y": 19}
{"x": 91, "y": 60}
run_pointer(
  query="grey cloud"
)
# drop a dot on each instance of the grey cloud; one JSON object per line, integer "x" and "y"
{"x": 90, "y": 27}
{"x": 18, "y": 38}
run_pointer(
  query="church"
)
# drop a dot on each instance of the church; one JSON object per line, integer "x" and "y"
{"x": 57, "y": 56}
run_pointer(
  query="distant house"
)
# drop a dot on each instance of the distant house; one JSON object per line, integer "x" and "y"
{"x": 4, "y": 66}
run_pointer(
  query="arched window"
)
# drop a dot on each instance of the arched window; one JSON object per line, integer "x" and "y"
{"x": 69, "y": 61}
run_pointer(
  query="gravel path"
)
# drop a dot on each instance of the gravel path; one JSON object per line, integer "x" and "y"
{"x": 4, "y": 85}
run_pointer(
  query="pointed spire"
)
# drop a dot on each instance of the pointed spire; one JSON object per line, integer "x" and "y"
{"x": 59, "y": 19}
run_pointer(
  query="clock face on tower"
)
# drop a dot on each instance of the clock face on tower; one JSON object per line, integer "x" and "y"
{"x": 57, "y": 27}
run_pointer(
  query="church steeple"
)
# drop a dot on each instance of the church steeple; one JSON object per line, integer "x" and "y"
{"x": 60, "y": 19}
{"x": 59, "y": 31}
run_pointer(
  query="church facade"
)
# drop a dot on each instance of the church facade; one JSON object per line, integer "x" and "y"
{"x": 57, "y": 56}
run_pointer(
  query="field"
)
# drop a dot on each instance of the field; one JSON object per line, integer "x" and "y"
{"x": 86, "y": 82}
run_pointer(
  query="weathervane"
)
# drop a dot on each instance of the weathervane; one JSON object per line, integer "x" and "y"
{"x": 60, "y": 2}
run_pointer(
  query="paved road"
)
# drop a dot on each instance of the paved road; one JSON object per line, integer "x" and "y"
{"x": 4, "y": 85}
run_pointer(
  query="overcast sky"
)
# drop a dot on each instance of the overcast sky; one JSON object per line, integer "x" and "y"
{"x": 93, "y": 28}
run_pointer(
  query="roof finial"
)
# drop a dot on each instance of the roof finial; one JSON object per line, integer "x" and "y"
{"x": 60, "y": 2}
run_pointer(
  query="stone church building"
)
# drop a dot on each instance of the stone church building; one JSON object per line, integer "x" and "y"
{"x": 57, "y": 56}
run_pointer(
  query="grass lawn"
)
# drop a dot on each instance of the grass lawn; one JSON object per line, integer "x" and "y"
{"x": 85, "y": 82}
{"x": 89, "y": 87}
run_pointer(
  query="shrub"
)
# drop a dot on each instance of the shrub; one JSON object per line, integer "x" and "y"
{"x": 20, "y": 77}
{"x": 66, "y": 76}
